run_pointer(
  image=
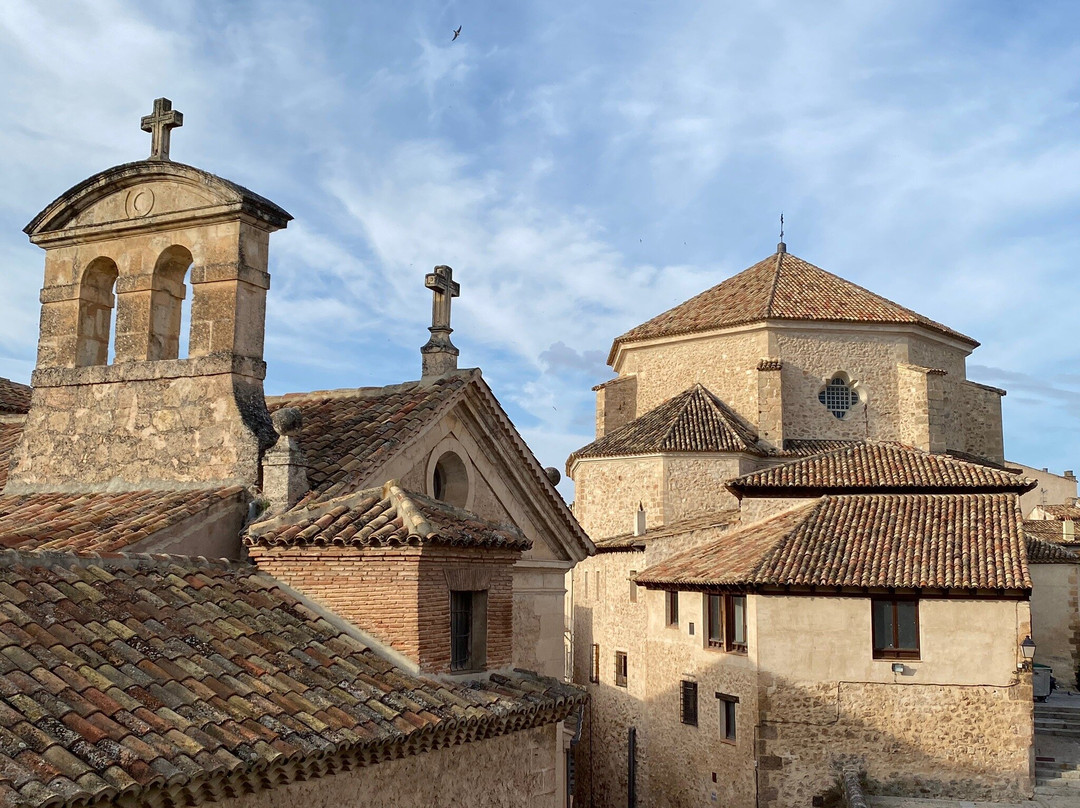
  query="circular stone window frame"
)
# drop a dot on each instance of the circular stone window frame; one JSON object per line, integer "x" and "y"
{"x": 451, "y": 446}
{"x": 856, "y": 387}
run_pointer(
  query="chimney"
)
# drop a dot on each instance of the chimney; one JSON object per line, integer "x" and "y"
{"x": 439, "y": 355}
{"x": 639, "y": 521}
{"x": 284, "y": 473}
{"x": 1068, "y": 475}
{"x": 1068, "y": 530}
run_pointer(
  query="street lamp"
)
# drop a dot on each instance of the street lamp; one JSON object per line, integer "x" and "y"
{"x": 1027, "y": 650}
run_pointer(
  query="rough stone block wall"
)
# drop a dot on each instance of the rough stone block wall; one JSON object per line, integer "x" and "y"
{"x": 770, "y": 419}
{"x": 981, "y": 423}
{"x": 726, "y": 364}
{"x": 616, "y": 404}
{"x": 608, "y": 491}
{"x": 970, "y": 743}
{"x": 695, "y": 485}
{"x": 1055, "y": 619}
{"x": 133, "y": 426}
{"x": 515, "y": 770}
{"x": 401, "y": 596}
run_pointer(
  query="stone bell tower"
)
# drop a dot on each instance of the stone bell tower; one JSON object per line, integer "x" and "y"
{"x": 114, "y": 404}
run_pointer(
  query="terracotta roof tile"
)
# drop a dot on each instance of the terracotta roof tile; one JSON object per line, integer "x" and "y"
{"x": 907, "y": 541}
{"x": 14, "y": 397}
{"x": 878, "y": 467}
{"x": 9, "y": 439}
{"x": 1045, "y": 552}
{"x": 183, "y": 724}
{"x": 102, "y": 522}
{"x": 805, "y": 447}
{"x": 628, "y": 541}
{"x": 1061, "y": 512}
{"x": 346, "y": 435}
{"x": 781, "y": 287}
{"x": 379, "y": 517}
{"x": 1051, "y": 530}
{"x": 693, "y": 421}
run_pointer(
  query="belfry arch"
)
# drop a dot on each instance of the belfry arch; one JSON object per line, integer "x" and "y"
{"x": 97, "y": 300}
{"x": 167, "y": 302}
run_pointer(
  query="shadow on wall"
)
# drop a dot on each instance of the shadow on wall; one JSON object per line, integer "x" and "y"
{"x": 955, "y": 742}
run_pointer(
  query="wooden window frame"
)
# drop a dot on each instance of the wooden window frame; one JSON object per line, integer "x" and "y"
{"x": 716, "y": 643}
{"x": 728, "y": 729}
{"x": 729, "y": 620}
{"x": 688, "y": 703}
{"x": 895, "y": 653}
{"x": 671, "y": 609}
{"x": 622, "y": 669}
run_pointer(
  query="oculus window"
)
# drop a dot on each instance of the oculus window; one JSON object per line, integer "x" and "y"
{"x": 839, "y": 395}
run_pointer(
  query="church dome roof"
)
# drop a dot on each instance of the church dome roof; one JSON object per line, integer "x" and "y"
{"x": 780, "y": 287}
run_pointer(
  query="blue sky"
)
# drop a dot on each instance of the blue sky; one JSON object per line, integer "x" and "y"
{"x": 583, "y": 166}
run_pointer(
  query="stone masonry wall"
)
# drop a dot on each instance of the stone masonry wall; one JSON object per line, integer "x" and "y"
{"x": 401, "y": 596}
{"x": 695, "y": 485}
{"x": 1055, "y": 619}
{"x": 609, "y": 490}
{"x": 966, "y": 743}
{"x": 133, "y": 426}
{"x": 519, "y": 769}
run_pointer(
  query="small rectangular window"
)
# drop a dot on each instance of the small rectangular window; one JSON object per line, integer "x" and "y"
{"x": 594, "y": 669}
{"x": 620, "y": 668}
{"x": 727, "y": 716}
{"x": 689, "y": 703}
{"x": 671, "y": 608}
{"x": 468, "y": 630}
{"x": 633, "y": 586}
{"x": 585, "y": 587}
{"x": 895, "y": 628}
{"x": 735, "y": 623}
{"x": 715, "y": 621}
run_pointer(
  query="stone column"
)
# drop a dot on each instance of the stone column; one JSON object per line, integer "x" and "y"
{"x": 284, "y": 472}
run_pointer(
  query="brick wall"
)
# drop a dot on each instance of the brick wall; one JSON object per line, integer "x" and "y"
{"x": 401, "y": 595}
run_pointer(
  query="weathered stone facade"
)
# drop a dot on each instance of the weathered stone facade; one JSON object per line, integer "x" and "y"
{"x": 508, "y": 772}
{"x": 1055, "y": 619}
{"x": 129, "y": 238}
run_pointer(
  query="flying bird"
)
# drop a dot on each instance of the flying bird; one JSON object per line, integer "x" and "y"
{"x": 457, "y": 33}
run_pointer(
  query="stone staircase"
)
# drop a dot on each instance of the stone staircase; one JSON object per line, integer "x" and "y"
{"x": 1058, "y": 778}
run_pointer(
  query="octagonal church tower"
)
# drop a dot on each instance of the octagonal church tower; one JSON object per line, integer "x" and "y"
{"x": 781, "y": 360}
{"x": 115, "y": 406}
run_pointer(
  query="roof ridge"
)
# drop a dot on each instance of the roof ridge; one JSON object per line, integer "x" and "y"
{"x": 680, "y": 412}
{"x": 776, "y": 282}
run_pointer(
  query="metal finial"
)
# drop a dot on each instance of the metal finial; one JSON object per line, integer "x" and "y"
{"x": 781, "y": 247}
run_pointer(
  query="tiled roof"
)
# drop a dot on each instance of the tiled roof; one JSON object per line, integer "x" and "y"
{"x": 1064, "y": 511}
{"x": 346, "y": 435}
{"x": 14, "y": 397}
{"x": 9, "y": 439}
{"x": 1046, "y": 552}
{"x": 380, "y": 517}
{"x": 781, "y": 287}
{"x": 693, "y": 421}
{"x": 172, "y": 681}
{"x": 883, "y": 467}
{"x": 628, "y": 541}
{"x": 102, "y": 522}
{"x": 906, "y": 541}
{"x": 804, "y": 447}
{"x": 1050, "y": 530}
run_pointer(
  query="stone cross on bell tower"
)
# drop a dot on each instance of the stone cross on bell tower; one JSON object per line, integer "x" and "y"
{"x": 439, "y": 354}
{"x": 160, "y": 124}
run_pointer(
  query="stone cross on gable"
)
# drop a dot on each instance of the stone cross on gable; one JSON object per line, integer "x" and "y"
{"x": 160, "y": 124}
{"x": 439, "y": 354}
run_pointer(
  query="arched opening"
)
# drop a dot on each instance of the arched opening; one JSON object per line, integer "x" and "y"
{"x": 839, "y": 395}
{"x": 450, "y": 480}
{"x": 170, "y": 312}
{"x": 97, "y": 315}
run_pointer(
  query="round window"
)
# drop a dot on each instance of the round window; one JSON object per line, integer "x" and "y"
{"x": 450, "y": 480}
{"x": 839, "y": 396}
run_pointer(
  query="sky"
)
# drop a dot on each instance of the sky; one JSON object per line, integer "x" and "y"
{"x": 583, "y": 167}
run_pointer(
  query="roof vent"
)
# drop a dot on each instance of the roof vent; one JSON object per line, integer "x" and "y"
{"x": 639, "y": 520}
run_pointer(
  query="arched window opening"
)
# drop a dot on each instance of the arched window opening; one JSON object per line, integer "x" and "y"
{"x": 839, "y": 395}
{"x": 450, "y": 480}
{"x": 97, "y": 313}
{"x": 170, "y": 311}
